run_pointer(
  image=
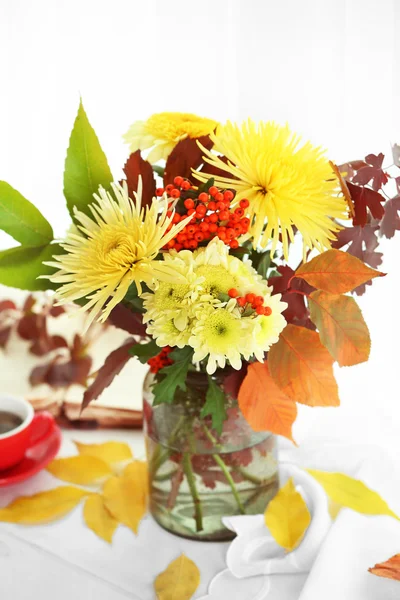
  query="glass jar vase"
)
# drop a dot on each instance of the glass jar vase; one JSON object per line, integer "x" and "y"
{"x": 198, "y": 476}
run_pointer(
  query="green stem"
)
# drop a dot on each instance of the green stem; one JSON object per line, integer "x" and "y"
{"x": 198, "y": 512}
{"x": 224, "y": 469}
{"x": 229, "y": 479}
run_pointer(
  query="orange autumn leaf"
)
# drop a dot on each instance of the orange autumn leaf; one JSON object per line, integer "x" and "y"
{"x": 390, "y": 568}
{"x": 302, "y": 367}
{"x": 336, "y": 272}
{"x": 341, "y": 326}
{"x": 264, "y": 405}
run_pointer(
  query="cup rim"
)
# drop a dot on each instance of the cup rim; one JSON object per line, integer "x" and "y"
{"x": 25, "y": 423}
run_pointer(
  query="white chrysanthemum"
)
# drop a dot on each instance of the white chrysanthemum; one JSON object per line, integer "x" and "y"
{"x": 268, "y": 328}
{"x": 221, "y": 335}
{"x": 165, "y": 332}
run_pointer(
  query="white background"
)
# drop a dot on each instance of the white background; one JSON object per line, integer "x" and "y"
{"x": 328, "y": 67}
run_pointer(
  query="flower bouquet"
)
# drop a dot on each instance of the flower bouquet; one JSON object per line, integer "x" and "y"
{"x": 227, "y": 254}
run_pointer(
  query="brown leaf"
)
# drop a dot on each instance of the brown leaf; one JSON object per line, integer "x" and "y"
{"x": 389, "y": 569}
{"x": 62, "y": 374}
{"x": 113, "y": 365}
{"x": 123, "y": 318}
{"x": 29, "y": 304}
{"x": 296, "y": 311}
{"x": 364, "y": 198}
{"x": 302, "y": 367}
{"x": 31, "y": 326}
{"x": 264, "y": 406}
{"x": 134, "y": 167}
{"x": 184, "y": 157}
{"x": 56, "y": 311}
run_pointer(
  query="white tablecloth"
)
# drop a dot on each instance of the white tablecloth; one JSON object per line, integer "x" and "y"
{"x": 67, "y": 559}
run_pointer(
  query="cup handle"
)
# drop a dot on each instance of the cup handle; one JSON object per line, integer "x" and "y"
{"x": 42, "y": 427}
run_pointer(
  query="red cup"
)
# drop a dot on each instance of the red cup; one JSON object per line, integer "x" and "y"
{"x": 33, "y": 431}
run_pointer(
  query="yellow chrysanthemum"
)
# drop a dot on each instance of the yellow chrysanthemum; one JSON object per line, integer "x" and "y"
{"x": 118, "y": 246}
{"x": 162, "y": 131}
{"x": 288, "y": 185}
{"x": 268, "y": 328}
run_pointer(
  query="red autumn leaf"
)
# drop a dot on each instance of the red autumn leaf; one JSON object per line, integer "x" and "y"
{"x": 184, "y": 157}
{"x": 364, "y": 198}
{"x": 44, "y": 344}
{"x": 391, "y": 219}
{"x": 264, "y": 406}
{"x": 349, "y": 169}
{"x": 233, "y": 381}
{"x": 134, "y": 167}
{"x": 341, "y": 327}
{"x": 302, "y": 368}
{"x": 123, "y": 318}
{"x": 5, "y": 336}
{"x": 29, "y": 304}
{"x": 362, "y": 243}
{"x": 59, "y": 374}
{"x": 389, "y": 569}
{"x": 336, "y": 272}
{"x": 7, "y": 305}
{"x": 31, "y": 326}
{"x": 56, "y": 311}
{"x": 297, "y": 311}
{"x": 372, "y": 170}
{"x": 113, "y": 365}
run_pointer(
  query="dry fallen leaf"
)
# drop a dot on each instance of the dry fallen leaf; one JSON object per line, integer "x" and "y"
{"x": 111, "y": 452}
{"x": 98, "y": 518}
{"x": 43, "y": 507}
{"x": 179, "y": 581}
{"x": 352, "y": 493}
{"x": 125, "y": 497}
{"x": 287, "y": 517}
{"x": 390, "y": 568}
{"x": 82, "y": 470}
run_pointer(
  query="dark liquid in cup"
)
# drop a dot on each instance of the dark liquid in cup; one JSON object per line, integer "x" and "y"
{"x": 9, "y": 421}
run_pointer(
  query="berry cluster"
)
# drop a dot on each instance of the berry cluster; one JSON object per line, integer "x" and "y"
{"x": 211, "y": 215}
{"x": 160, "y": 360}
{"x": 251, "y": 301}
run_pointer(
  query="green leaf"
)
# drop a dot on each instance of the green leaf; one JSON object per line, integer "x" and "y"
{"x": 86, "y": 166}
{"x": 215, "y": 406}
{"x": 159, "y": 170}
{"x": 174, "y": 376}
{"x": 204, "y": 187}
{"x": 20, "y": 267}
{"x": 145, "y": 351}
{"x": 21, "y": 219}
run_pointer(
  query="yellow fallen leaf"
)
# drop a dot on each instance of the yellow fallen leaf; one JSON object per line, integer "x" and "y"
{"x": 43, "y": 507}
{"x": 98, "y": 518}
{"x": 287, "y": 517}
{"x": 126, "y": 498}
{"x": 139, "y": 471}
{"x": 82, "y": 470}
{"x": 111, "y": 452}
{"x": 179, "y": 581}
{"x": 352, "y": 493}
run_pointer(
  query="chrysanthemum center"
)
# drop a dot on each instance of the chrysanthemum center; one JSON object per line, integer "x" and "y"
{"x": 169, "y": 295}
{"x": 217, "y": 280}
{"x": 221, "y": 331}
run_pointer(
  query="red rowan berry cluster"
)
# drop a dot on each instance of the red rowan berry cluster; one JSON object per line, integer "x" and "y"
{"x": 251, "y": 301}
{"x": 211, "y": 215}
{"x": 160, "y": 360}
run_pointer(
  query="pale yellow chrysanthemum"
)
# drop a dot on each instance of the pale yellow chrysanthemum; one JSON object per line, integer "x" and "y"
{"x": 105, "y": 254}
{"x": 165, "y": 332}
{"x": 222, "y": 271}
{"x": 288, "y": 184}
{"x": 268, "y": 328}
{"x": 162, "y": 131}
{"x": 174, "y": 300}
{"x": 220, "y": 335}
